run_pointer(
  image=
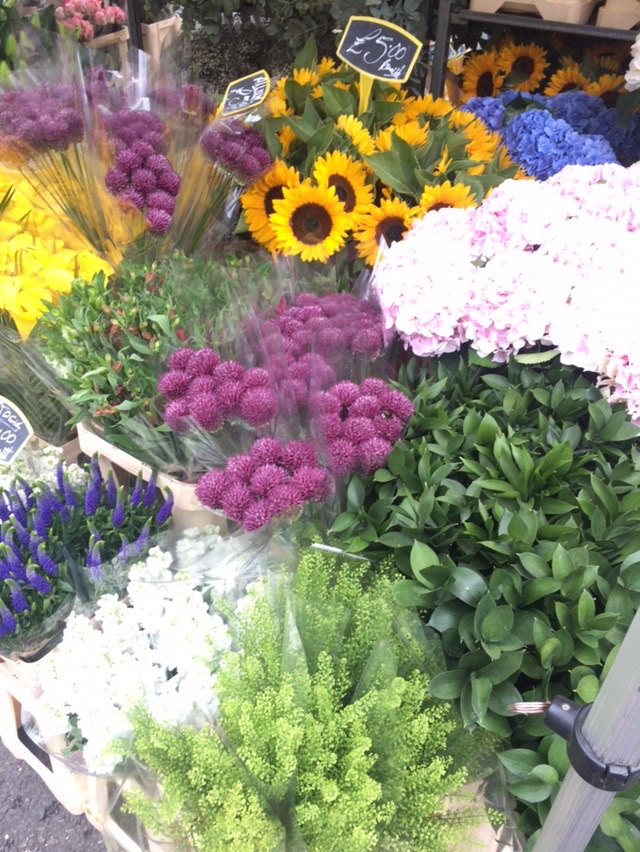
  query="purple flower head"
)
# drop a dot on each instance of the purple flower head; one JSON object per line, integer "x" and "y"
{"x": 145, "y": 182}
{"x": 206, "y": 411}
{"x": 240, "y": 468}
{"x": 358, "y": 429}
{"x": 21, "y": 533}
{"x": 40, "y": 584}
{"x": 229, "y": 395}
{"x": 175, "y": 415}
{"x": 129, "y": 198}
{"x": 372, "y": 454}
{"x": 136, "y": 495}
{"x": 161, "y": 200}
{"x": 229, "y": 371}
{"x": 331, "y": 427}
{"x": 34, "y": 541}
{"x": 164, "y": 512}
{"x": 396, "y": 403}
{"x": 143, "y": 149}
{"x": 258, "y": 406}
{"x": 368, "y": 342}
{"x": 157, "y": 221}
{"x": 343, "y": 456}
{"x": 312, "y": 483}
{"x": 283, "y": 498}
{"x": 257, "y": 515}
{"x": 157, "y": 142}
{"x": 373, "y": 386}
{"x": 60, "y": 476}
{"x": 297, "y": 454}
{"x": 69, "y": 495}
{"x": 157, "y": 163}
{"x": 141, "y": 544}
{"x": 180, "y": 359}
{"x": 169, "y": 181}
{"x": 211, "y": 488}
{"x": 116, "y": 180}
{"x": 150, "y": 491}
{"x": 94, "y": 560}
{"x": 266, "y": 451}
{"x": 204, "y": 362}
{"x": 174, "y": 384}
{"x": 236, "y": 500}
{"x": 45, "y": 561}
{"x": 251, "y": 165}
{"x": 366, "y": 406}
{"x": 202, "y": 384}
{"x": 92, "y": 497}
{"x": 111, "y": 491}
{"x": 266, "y": 477}
{"x": 256, "y": 377}
{"x": 18, "y": 600}
{"x": 390, "y": 428}
{"x": 119, "y": 513}
{"x": 7, "y": 618}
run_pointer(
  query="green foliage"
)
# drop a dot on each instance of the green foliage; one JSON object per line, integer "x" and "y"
{"x": 22, "y": 38}
{"x": 512, "y": 510}
{"x": 325, "y": 734}
{"x": 111, "y": 339}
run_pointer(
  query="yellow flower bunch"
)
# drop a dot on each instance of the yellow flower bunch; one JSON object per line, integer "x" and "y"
{"x": 342, "y": 177}
{"x": 36, "y": 262}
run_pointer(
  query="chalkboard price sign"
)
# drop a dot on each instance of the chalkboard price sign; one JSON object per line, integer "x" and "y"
{"x": 379, "y": 49}
{"x": 15, "y": 431}
{"x": 245, "y": 93}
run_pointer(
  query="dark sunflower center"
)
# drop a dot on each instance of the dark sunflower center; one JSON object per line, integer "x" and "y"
{"x": 270, "y": 196}
{"x": 439, "y": 205}
{"x": 523, "y": 65}
{"x": 391, "y": 230}
{"x": 484, "y": 89}
{"x": 609, "y": 99}
{"x": 344, "y": 191}
{"x": 311, "y": 224}
{"x": 569, "y": 87}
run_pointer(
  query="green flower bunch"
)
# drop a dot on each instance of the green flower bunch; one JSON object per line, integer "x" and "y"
{"x": 325, "y": 736}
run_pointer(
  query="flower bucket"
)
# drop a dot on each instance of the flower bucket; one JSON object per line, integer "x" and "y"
{"x": 188, "y": 512}
{"x": 19, "y": 695}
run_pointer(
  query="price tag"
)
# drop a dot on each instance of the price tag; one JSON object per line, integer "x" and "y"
{"x": 379, "y": 49}
{"x": 15, "y": 431}
{"x": 245, "y": 93}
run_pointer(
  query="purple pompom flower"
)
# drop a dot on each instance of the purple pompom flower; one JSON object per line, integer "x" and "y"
{"x": 311, "y": 483}
{"x": 129, "y": 198}
{"x": 204, "y": 362}
{"x": 169, "y": 181}
{"x": 174, "y": 384}
{"x": 211, "y": 488}
{"x": 258, "y": 406}
{"x": 157, "y": 221}
{"x": 343, "y": 456}
{"x": 372, "y": 454}
{"x": 229, "y": 371}
{"x": 202, "y": 384}
{"x": 161, "y": 200}
{"x": 297, "y": 454}
{"x": 180, "y": 359}
{"x": 358, "y": 429}
{"x": 235, "y": 501}
{"x": 241, "y": 467}
{"x": 267, "y": 451}
{"x": 229, "y": 395}
{"x": 257, "y": 515}
{"x": 206, "y": 411}
{"x": 366, "y": 406}
{"x": 266, "y": 477}
{"x": 256, "y": 377}
{"x": 116, "y": 180}
{"x": 145, "y": 182}
{"x": 397, "y": 403}
{"x": 175, "y": 415}
{"x": 374, "y": 386}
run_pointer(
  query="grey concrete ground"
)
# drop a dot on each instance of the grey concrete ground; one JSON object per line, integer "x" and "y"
{"x": 32, "y": 819}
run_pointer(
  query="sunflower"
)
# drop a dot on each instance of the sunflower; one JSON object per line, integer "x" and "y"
{"x": 257, "y": 203}
{"x": 566, "y": 80}
{"x": 482, "y": 142}
{"x": 388, "y": 222}
{"x": 412, "y": 132}
{"x": 326, "y": 66}
{"x": 526, "y": 61}
{"x": 306, "y": 77}
{"x": 348, "y": 179}
{"x": 446, "y": 194}
{"x": 356, "y": 133}
{"x": 444, "y": 163}
{"x": 309, "y": 221}
{"x": 608, "y": 52}
{"x": 481, "y": 77}
{"x": 286, "y": 136}
{"x": 608, "y": 88}
{"x": 426, "y": 106}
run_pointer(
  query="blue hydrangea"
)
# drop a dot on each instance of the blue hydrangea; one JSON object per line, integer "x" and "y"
{"x": 490, "y": 110}
{"x": 544, "y": 145}
{"x": 628, "y": 150}
{"x": 588, "y": 114}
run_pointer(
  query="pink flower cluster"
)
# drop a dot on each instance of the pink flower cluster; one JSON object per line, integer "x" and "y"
{"x": 87, "y": 16}
{"x": 199, "y": 386}
{"x": 272, "y": 479}
{"x": 360, "y": 424}
{"x": 236, "y": 148}
{"x": 142, "y": 177}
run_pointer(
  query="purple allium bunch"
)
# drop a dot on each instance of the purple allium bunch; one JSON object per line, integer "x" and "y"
{"x": 128, "y": 126}
{"x": 193, "y": 104}
{"x": 236, "y": 148}
{"x": 360, "y": 424}
{"x": 43, "y": 118}
{"x": 43, "y": 529}
{"x": 208, "y": 391}
{"x": 142, "y": 177}
{"x": 272, "y": 479}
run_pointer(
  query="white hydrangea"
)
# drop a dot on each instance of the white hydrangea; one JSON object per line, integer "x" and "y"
{"x": 39, "y": 462}
{"x": 632, "y": 77}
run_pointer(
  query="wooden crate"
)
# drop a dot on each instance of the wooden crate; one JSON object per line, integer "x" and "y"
{"x": 567, "y": 11}
{"x": 20, "y": 691}
{"x": 157, "y": 38}
{"x": 619, "y": 14}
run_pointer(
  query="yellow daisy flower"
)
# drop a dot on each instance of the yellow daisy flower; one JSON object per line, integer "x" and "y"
{"x": 258, "y": 202}
{"x": 481, "y": 77}
{"x": 524, "y": 60}
{"x": 446, "y": 195}
{"x": 309, "y": 221}
{"x": 286, "y": 137}
{"x": 383, "y": 224}
{"x": 412, "y": 132}
{"x": 426, "y": 106}
{"x": 347, "y": 177}
{"x": 566, "y": 80}
{"x": 306, "y": 76}
{"x": 608, "y": 88}
{"x": 326, "y": 66}
{"x": 483, "y": 143}
{"x": 356, "y": 133}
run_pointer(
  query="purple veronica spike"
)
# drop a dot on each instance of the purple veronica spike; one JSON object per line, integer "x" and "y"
{"x": 69, "y": 494}
{"x": 39, "y": 524}
{"x": 125, "y": 553}
{"x": 150, "y": 492}
{"x": 40, "y": 584}
{"x": 4, "y": 570}
{"x": 18, "y": 600}
{"x": 142, "y": 542}
{"x": 94, "y": 560}
{"x": 164, "y": 512}
{"x": 46, "y": 562}
{"x": 136, "y": 494}
{"x": 34, "y": 541}
{"x": 60, "y": 476}
{"x": 92, "y": 498}
{"x": 13, "y": 561}
{"x": 119, "y": 513}
{"x": 112, "y": 491}
{"x": 21, "y": 533}
{"x": 5, "y": 511}
{"x": 9, "y": 622}
{"x": 29, "y": 497}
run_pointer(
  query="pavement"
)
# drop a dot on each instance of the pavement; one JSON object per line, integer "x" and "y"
{"x": 33, "y": 820}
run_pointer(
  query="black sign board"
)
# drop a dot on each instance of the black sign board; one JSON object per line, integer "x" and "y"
{"x": 379, "y": 49}
{"x": 245, "y": 93}
{"x": 15, "y": 431}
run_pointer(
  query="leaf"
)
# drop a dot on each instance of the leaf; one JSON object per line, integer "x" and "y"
{"x": 448, "y": 685}
{"x": 588, "y": 688}
{"x": 498, "y": 624}
{"x": 337, "y": 101}
{"x": 586, "y": 608}
{"x": 355, "y": 494}
{"x": 501, "y": 669}
{"x": 422, "y": 556}
{"x": 395, "y": 172}
{"x": 308, "y": 56}
{"x": 534, "y": 564}
{"x": 545, "y": 773}
{"x": 396, "y": 539}
{"x": 539, "y": 588}
{"x": 536, "y": 357}
{"x": 408, "y": 593}
{"x": 344, "y": 522}
{"x": 531, "y": 790}
{"x": 519, "y": 761}
{"x": 469, "y": 586}
{"x": 550, "y": 652}
{"x": 480, "y": 692}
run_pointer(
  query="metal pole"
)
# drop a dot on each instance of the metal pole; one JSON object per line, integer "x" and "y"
{"x": 612, "y": 729}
